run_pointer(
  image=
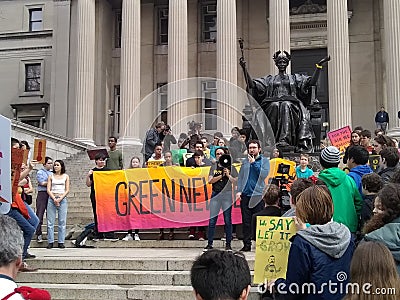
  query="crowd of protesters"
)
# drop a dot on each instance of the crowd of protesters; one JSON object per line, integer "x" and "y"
{"x": 340, "y": 213}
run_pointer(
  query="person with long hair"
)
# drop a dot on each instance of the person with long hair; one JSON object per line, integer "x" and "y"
{"x": 384, "y": 225}
{"x": 318, "y": 253}
{"x": 354, "y": 141}
{"x": 57, "y": 189}
{"x": 382, "y": 142}
{"x": 372, "y": 267}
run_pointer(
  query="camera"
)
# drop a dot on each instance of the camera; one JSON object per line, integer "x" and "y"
{"x": 281, "y": 180}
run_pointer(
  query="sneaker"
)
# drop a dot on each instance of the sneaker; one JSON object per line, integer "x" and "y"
{"x": 30, "y": 255}
{"x": 128, "y": 237}
{"x": 39, "y": 238}
{"x": 50, "y": 246}
{"x": 191, "y": 236}
{"x": 223, "y": 237}
{"x": 201, "y": 235}
{"x": 228, "y": 248}
{"x": 208, "y": 247}
{"x": 61, "y": 245}
{"x": 234, "y": 237}
{"x": 137, "y": 238}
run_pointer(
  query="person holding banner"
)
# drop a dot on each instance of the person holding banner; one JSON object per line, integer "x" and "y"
{"x": 251, "y": 185}
{"x": 319, "y": 254}
{"x": 222, "y": 178}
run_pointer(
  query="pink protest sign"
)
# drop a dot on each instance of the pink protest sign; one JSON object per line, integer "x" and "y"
{"x": 340, "y": 138}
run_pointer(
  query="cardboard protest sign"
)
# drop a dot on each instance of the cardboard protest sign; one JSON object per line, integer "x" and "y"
{"x": 17, "y": 158}
{"x": 272, "y": 248}
{"x": 5, "y": 163}
{"x": 340, "y": 138}
{"x": 155, "y": 163}
{"x": 92, "y": 153}
{"x": 39, "y": 152}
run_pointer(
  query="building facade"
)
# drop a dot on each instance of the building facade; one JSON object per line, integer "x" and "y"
{"x": 81, "y": 68}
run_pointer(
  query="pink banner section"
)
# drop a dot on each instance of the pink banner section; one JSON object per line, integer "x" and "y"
{"x": 170, "y": 197}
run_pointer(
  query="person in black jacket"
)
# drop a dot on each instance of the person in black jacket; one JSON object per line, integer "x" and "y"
{"x": 382, "y": 119}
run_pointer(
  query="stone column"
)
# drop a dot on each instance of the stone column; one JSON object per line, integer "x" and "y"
{"x": 130, "y": 73}
{"x": 177, "y": 65}
{"x": 339, "y": 66}
{"x": 279, "y": 30}
{"x": 85, "y": 72}
{"x": 227, "y": 107}
{"x": 391, "y": 10}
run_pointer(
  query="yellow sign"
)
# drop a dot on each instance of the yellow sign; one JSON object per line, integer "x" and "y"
{"x": 272, "y": 248}
{"x": 155, "y": 163}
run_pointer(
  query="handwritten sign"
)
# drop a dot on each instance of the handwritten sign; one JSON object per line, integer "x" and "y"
{"x": 272, "y": 248}
{"x": 92, "y": 153}
{"x": 17, "y": 158}
{"x": 340, "y": 138}
{"x": 5, "y": 163}
{"x": 39, "y": 152}
{"x": 155, "y": 163}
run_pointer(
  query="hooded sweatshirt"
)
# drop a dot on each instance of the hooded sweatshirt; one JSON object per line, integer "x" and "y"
{"x": 389, "y": 235}
{"x": 347, "y": 200}
{"x": 357, "y": 173}
{"x": 318, "y": 255}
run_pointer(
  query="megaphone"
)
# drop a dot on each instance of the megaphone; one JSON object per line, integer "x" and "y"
{"x": 225, "y": 161}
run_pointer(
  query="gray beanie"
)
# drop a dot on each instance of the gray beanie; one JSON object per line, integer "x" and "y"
{"x": 330, "y": 155}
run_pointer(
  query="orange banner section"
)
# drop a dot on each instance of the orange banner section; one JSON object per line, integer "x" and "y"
{"x": 146, "y": 198}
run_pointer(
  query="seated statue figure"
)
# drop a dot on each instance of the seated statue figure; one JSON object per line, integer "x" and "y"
{"x": 283, "y": 99}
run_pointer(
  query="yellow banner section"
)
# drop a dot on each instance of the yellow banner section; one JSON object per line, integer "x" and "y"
{"x": 272, "y": 248}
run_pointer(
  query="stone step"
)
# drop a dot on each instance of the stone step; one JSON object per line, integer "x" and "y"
{"x": 117, "y": 292}
{"x": 236, "y": 245}
{"x": 112, "y": 263}
{"x": 121, "y": 277}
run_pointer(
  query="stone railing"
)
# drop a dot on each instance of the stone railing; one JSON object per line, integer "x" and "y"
{"x": 57, "y": 146}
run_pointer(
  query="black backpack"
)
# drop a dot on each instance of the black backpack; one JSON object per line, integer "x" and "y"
{"x": 87, "y": 233}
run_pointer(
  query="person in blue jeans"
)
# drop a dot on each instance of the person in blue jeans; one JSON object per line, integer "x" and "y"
{"x": 222, "y": 180}
{"x": 58, "y": 189}
{"x": 251, "y": 185}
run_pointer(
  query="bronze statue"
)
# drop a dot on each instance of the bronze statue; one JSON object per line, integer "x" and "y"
{"x": 283, "y": 99}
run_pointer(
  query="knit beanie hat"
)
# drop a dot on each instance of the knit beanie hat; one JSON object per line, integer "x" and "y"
{"x": 330, "y": 155}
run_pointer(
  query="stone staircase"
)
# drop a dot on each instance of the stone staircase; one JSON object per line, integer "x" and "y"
{"x": 114, "y": 273}
{"x": 146, "y": 269}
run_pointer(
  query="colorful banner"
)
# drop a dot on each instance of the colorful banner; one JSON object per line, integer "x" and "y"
{"x": 146, "y": 198}
{"x": 5, "y": 163}
{"x": 272, "y": 248}
{"x": 340, "y": 138}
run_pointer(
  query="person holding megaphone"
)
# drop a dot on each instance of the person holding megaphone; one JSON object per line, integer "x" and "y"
{"x": 222, "y": 176}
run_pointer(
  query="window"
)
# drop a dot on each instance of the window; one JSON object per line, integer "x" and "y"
{"x": 162, "y": 99}
{"x": 118, "y": 29}
{"x": 209, "y": 22}
{"x": 32, "y": 77}
{"x": 35, "y": 19}
{"x": 209, "y": 103}
{"x": 163, "y": 26}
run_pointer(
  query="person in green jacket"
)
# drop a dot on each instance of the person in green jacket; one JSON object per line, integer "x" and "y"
{"x": 347, "y": 200}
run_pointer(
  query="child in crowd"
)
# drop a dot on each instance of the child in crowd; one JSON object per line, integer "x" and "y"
{"x": 318, "y": 253}
{"x": 135, "y": 163}
{"x": 384, "y": 225}
{"x": 371, "y": 185}
{"x": 372, "y": 267}
{"x": 302, "y": 170}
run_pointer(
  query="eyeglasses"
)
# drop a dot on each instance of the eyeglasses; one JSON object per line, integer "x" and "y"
{"x": 218, "y": 154}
